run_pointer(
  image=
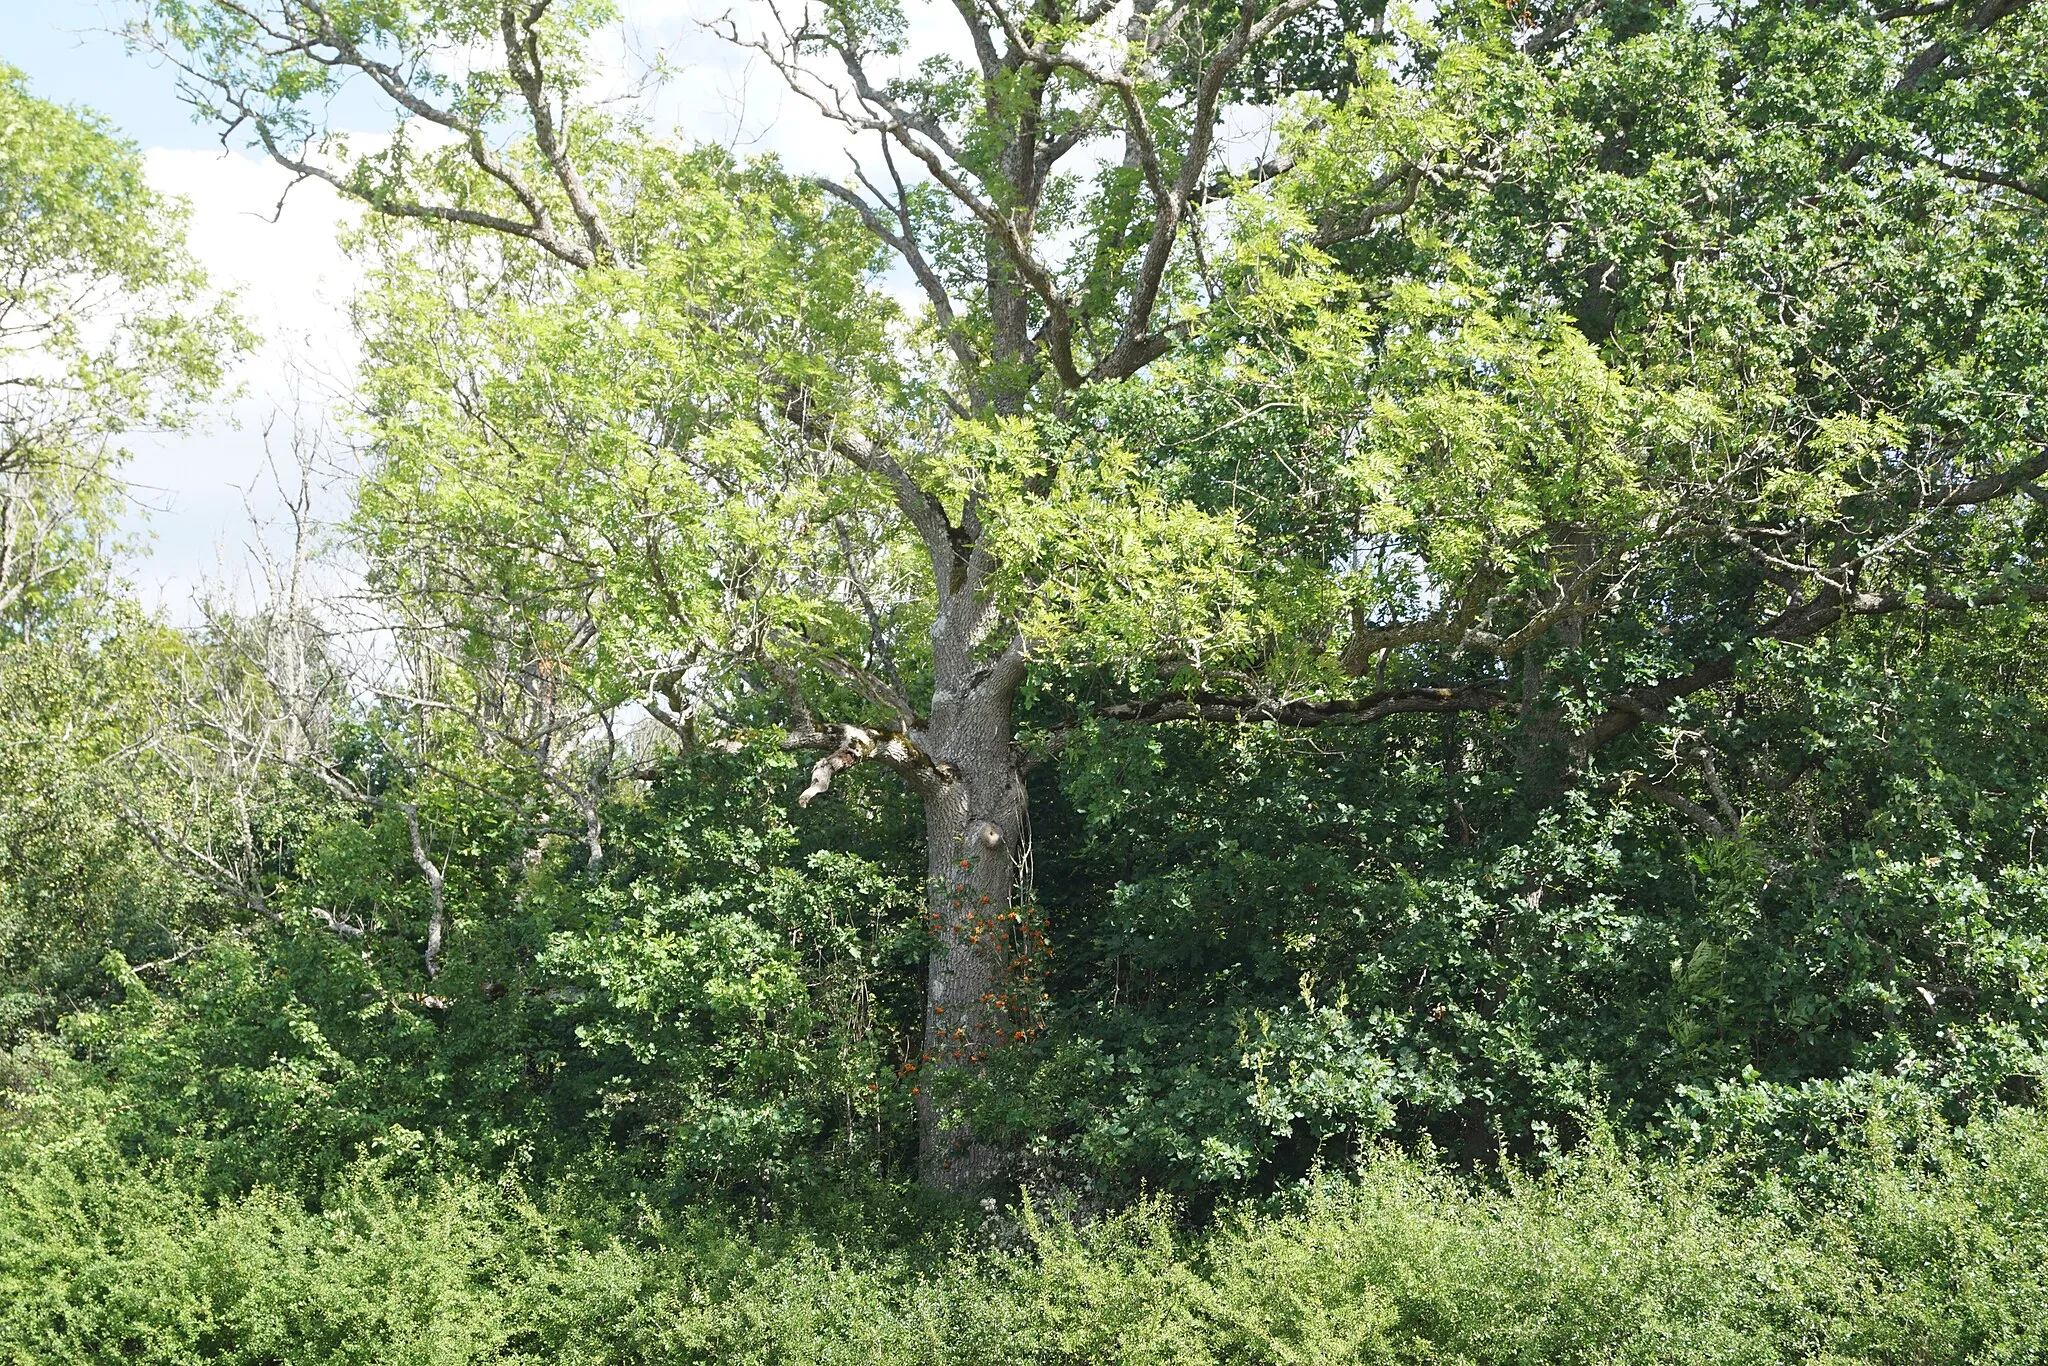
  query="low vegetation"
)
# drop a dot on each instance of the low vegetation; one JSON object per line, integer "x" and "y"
{"x": 1910, "y": 1244}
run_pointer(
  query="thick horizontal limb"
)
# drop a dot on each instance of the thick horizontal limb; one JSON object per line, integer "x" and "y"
{"x": 1801, "y": 621}
{"x": 1204, "y": 706}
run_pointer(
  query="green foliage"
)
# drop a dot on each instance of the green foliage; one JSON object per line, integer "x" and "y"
{"x": 625, "y": 489}
{"x": 76, "y": 878}
{"x": 109, "y": 327}
{"x": 1266, "y": 949}
{"x": 1641, "y": 423}
{"x": 1594, "y": 351}
{"x": 1265, "y": 954}
{"x": 284, "y": 82}
{"x": 1572, "y": 385}
{"x": 729, "y": 987}
{"x": 716, "y": 1000}
{"x": 1930, "y": 1251}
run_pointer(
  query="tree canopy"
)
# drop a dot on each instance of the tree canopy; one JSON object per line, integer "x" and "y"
{"x": 1552, "y": 371}
{"x": 104, "y": 328}
{"x": 1289, "y": 681}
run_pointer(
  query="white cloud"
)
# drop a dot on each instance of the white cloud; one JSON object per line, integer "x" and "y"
{"x": 285, "y": 261}
{"x": 732, "y": 95}
{"x": 293, "y": 284}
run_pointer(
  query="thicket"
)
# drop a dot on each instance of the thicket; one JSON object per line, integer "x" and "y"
{"x": 1439, "y": 756}
{"x": 664, "y": 1113}
{"x": 1917, "y": 1243}
{"x": 1264, "y": 956}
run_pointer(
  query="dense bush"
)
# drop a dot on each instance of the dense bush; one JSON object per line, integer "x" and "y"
{"x": 1265, "y": 955}
{"x": 1268, "y": 948}
{"x": 1475, "y": 796}
{"x": 1930, "y": 1244}
{"x": 719, "y": 1003}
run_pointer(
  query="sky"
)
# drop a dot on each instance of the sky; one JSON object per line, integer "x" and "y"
{"x": 196, "y": 496}
{"x": 194, "y": 493}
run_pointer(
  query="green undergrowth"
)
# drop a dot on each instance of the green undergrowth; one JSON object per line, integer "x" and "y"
{"x": 1929, "y": 1247}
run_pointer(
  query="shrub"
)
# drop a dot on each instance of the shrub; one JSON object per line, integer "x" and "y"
{"x": 1929, "y": 1250}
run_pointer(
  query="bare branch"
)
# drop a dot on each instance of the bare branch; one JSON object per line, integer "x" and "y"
{"x": 436, "y": 878}
{"x": 919, "y": 506}
{"x": 1409, "y": 178}
{"x": 1801, "y": 621}
{"x": 1988, "y": 13}
{"x": 903, "y": 241}
{"x": 322, "y": 42}
{"x": 1679, "y": 802}
{"x": 522, "y": 57}
{"x": 1252, "y": 29}
{"x": 1979, "y": 175}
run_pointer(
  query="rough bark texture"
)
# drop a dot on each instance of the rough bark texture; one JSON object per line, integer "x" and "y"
{"x": 980, "y": 980}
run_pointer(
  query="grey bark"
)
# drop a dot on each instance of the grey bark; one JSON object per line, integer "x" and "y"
{"x": 980, "y": 978}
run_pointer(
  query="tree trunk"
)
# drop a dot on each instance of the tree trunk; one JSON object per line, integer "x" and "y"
{"x": 982, "y": 977}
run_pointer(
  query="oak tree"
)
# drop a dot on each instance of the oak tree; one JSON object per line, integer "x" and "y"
{"x": 1538, "y": 365}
